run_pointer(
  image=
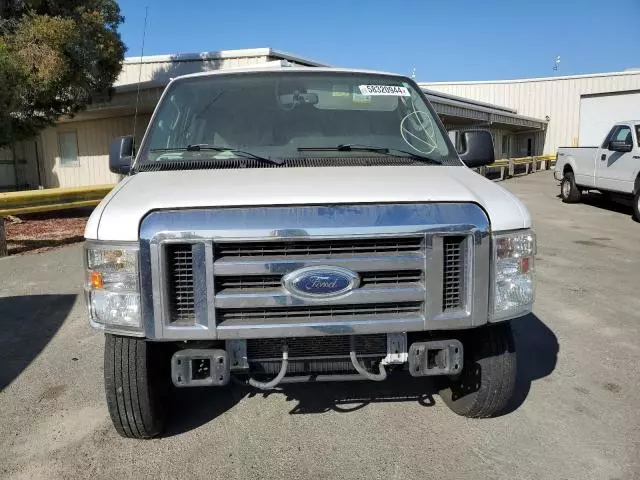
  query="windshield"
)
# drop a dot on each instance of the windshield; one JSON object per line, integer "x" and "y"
{"x": 291, "y": 114}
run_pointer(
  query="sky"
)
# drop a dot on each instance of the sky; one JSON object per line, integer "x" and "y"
{"x": 443, "y": 40}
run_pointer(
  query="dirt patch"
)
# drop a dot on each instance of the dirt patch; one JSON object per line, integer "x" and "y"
{"x": 52, "y": 393}
{"x": 611, "y": 387}
{"x": 38, "y": 233}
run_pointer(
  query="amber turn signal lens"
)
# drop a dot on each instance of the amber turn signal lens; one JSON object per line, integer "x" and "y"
{"x": 524, "y": 265}
{"x": 95, "y": 280}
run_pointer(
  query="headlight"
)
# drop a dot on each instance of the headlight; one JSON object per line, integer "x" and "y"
{"x": 113, "y": 292}
{"x": 513, "y": 274}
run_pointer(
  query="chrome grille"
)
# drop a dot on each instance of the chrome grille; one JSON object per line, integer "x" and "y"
{"x": 248, "y": 281}
{"x": 238, "y": 255}
{"x": 180, "y": 283}
{"x": 452, "y": 288}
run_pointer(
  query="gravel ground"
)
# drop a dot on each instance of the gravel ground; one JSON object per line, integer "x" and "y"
{"x": 575, "y": 415}
{"x": 42, "y": 232}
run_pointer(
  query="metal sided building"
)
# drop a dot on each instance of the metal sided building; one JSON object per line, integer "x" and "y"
{"x": 562, "y": 101}
{"x": 514, "y": 135}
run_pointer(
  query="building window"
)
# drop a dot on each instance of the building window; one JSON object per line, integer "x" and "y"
{"x": 68, "y": 148}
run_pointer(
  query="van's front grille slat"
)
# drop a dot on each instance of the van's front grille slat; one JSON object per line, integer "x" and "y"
{"x": 452, "y": 288}
{"x": 180, "y": 283}
{"x": 267, "y": 282}
{"x": 325, "y": 248}
{"x": 329, "y": 312}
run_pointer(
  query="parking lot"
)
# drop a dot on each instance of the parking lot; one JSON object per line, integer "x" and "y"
{"x": 575, "y": 415}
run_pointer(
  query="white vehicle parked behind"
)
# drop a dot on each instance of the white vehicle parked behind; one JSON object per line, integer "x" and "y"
{"x": 612, "y": 168}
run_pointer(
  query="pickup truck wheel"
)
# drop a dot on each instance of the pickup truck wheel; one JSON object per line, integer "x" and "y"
{"x": 636, "y": 206}
{"x": 569, "y": 191}
{"x": 485, "y": 385}
{"x": 135, "y": 385}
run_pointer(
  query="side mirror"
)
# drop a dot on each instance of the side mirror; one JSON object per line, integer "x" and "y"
{"x": 477, "y": 148}
{"x": 121, "y": 155}
{"x": 620, "y": 146}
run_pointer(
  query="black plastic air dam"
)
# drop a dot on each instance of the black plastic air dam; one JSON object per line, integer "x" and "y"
{"x": 363, "y": 373}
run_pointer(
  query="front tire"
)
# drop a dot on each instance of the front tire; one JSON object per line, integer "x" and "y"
{"x": 636, "y": 206}
{"x": 136, "y": 385}
{"x": 569, "y": 191}
{"x": 485, "y": 385}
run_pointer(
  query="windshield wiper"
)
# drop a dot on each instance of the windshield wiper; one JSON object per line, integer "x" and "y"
{"x": 205, "y": 147}
{"x": 353, "y": 147}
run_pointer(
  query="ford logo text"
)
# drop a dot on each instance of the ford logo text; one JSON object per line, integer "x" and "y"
{"x": 320, "y": 282}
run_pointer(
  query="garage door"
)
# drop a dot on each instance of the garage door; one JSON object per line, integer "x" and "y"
{"x": 599, "y": 111}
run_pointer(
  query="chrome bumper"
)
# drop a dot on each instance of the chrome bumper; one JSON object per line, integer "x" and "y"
{"x": 272, "y": 312}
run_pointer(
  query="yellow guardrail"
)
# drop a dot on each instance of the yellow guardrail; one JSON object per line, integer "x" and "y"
{"x": 51, "y": 199}
{"x": 522, "y": 160}
{"x": 507, "y": 165}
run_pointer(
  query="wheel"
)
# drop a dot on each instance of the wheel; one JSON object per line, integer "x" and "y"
{"x": 569, "y": 191}
{"x": 137, "y": 381}
{"x": 485, "y": 385}
{"x": 636, "y": 206}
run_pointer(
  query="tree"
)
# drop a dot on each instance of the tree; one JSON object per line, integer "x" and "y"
{"x": 54, "y": 55}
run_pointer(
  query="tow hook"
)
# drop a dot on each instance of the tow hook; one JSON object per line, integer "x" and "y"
{"x": 200, "y": 368}
{"x": 439, "y": 357}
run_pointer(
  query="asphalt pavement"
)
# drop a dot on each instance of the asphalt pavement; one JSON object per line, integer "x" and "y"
{"x": 576, "y": 412}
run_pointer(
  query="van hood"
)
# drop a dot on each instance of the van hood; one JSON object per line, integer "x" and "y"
{"x": 119, "y": 215}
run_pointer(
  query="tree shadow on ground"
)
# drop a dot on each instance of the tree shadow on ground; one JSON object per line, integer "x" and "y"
{"x": 28, "y": 323}
{"x": 22, "y": 246}
{"x": 537, "y": 351}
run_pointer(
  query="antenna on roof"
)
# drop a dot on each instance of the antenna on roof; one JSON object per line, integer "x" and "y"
{"x": 135, "y": 115}
{"x": 413, "y": 72}
{"x": 556, "y": 63}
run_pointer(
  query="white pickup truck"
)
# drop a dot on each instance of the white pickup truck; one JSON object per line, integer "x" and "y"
{"x": 304, "y": 225}
{"x": 613, "y": 168}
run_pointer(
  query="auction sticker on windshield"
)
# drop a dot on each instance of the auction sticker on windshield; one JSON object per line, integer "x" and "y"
{"x": 393, "y": 90}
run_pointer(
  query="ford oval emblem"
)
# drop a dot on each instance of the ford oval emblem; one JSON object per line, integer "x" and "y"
{"x": 320, "y": 282}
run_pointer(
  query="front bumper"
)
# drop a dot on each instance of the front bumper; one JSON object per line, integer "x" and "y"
{"x": 195, "y": 367}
